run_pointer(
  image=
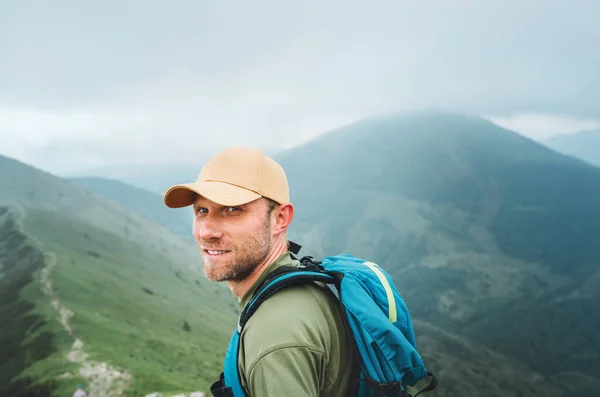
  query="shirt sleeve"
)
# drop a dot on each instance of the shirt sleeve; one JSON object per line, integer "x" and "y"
{"x": 287, "y": 371}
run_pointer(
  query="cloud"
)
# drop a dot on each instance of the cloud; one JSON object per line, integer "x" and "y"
{"x": 543, "y": 126}
{"x": 150, "y": 81}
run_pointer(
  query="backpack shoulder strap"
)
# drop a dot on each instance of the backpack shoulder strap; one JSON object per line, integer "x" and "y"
{"x": 229, "y": 383}
{"x": 279, "y": 279}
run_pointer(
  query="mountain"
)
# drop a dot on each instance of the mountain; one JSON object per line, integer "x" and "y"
{"x": 584, "y": 145}
{"x": 488, "y": 234}
{"x": 94, "y": 293}
{"x": 143, "y": 202}
{"x": 466, "y": 368}
{"x": 155, "y": 178}
{"x": 492, "y": 239}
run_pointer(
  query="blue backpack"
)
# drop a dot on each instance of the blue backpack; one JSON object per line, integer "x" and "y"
{"x": 375, "y": 312}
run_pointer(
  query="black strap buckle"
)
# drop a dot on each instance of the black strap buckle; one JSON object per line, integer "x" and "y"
{"x": 391, "y": 389}
{"x": 218, "y": 388}
{"x": 431, "y": 386}
{"x": 294, "y": 248}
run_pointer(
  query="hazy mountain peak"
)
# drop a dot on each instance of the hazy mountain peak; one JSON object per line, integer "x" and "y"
{"x": 584, "y": 145}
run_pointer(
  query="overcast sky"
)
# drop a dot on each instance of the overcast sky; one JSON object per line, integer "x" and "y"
{"x": 76, "y": 76}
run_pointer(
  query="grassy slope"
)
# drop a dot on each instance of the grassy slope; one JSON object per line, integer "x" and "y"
{"x": 466, "y": 368}
{"x": 26, "y": 336}
{"x": 106, "y": 256}
{"x": 141, "y": 201}
{"x": 558, "y": 335}
{"x": 33, "y": 188}
{"x": 102, "y": 279}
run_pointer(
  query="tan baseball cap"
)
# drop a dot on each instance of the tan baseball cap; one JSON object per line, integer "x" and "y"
{"x": 234, "y": 176}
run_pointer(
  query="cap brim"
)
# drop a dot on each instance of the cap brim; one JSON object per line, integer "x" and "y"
{"x": 219, "y": 192}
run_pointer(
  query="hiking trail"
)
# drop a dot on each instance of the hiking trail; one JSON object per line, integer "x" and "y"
{"x": 102, "y": 379}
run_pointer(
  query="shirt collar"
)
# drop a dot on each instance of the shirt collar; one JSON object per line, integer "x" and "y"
{"x": 283, "y": 260}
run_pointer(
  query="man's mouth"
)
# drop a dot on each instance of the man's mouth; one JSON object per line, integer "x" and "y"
{"x": 216, "y": 252}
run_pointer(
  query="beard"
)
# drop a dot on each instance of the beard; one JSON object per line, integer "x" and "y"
{"x": 243, "y": 258}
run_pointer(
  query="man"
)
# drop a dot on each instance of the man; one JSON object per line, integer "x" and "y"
{"x": 296, "y": 344}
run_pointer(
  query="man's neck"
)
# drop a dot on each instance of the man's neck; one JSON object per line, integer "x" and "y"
{"x": 239, "y": 288}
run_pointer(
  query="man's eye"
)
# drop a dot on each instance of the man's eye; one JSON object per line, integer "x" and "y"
{"x": 232, "y": 209}
{"x": 202, "y": 210}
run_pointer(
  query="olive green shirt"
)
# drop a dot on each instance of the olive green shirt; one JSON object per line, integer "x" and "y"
{"x": 296, "y": 343}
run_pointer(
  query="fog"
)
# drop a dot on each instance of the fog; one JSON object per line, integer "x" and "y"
{"x": 153, "y": 82}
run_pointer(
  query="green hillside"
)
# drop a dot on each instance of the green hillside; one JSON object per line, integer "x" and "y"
{"x": 465, "y": 368}
{"x": 25, "y": 336}
{"x": 584, "y": 145}
{"x": 154, "y": 178}
{"x": 31, "y": 187}
{"x": 143, "y": 202}
{"x": 486, "y": 232}
{"x": 101, "y": 287}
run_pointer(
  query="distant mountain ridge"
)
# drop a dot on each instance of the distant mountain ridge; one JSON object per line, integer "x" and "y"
{"x": 144, "y": 202}
{"x": 155, "y": 178}
{"x": 584, "y": 145}
{"x": 152, "y": 178}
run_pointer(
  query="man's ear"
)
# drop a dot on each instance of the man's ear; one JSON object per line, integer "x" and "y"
{"x": 284, "y": 214}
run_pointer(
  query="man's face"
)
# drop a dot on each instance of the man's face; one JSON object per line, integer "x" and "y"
{"x": 232, "y": 241}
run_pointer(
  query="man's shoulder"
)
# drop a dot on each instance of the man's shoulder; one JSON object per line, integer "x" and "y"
{"x": 300, "y": 324}
{"x": 294, "y": 303}
{"x": 296, "y": 316}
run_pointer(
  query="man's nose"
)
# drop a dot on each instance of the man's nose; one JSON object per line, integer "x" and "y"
{"x": 209, "y": 228}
